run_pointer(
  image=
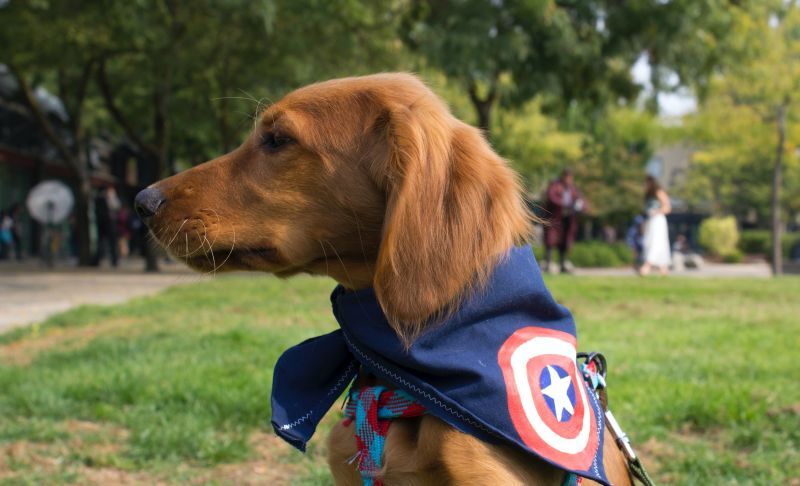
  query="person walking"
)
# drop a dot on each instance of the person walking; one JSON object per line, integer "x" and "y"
{"x": 15, "y": 212}
{"x": 656, "y": 234}
{"x": 10, "y": 237}
{"x": 564, "y": 202}
{"x": 106, "y": 205}
{"x": 6, "y": 239}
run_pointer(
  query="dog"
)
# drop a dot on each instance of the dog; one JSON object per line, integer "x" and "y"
{"x": 371, "y": 181}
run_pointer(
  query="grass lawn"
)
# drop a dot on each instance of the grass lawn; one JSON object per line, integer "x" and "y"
{"x": 175, "y": 388}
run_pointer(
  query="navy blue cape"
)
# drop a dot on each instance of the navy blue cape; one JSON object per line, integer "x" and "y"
{"x": 501, "y": 368}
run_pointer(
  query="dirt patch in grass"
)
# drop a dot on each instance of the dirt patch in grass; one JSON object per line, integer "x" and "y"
{"x": 23, "y": 351}
{"x": 268, "y": 465}
{"x": 92, "y": 455}
{"x": 88, "y": 444}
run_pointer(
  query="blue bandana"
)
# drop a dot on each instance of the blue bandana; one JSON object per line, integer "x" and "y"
{"x": 501, "y": 368}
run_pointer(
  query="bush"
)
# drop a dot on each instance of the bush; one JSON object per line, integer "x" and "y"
{"x": 719, "y": 236}
{"x": 624, "y": 253}
{"x": 760, "y": 242}
{"x": 735, "y": 257}
{"x": 755, "y": 242}
{"x": 591, "y": 254}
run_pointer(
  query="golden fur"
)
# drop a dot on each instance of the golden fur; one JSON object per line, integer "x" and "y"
{"x": 372, "y": 181}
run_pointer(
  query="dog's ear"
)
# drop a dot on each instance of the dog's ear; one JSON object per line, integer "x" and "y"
{"x": 453, "y": 209}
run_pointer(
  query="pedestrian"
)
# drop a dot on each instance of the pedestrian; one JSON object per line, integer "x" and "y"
{"x": 634, "y": 238}
{"x": 123, "y": 231}
{"x": 564, "y": 202}
{"x": 15, "y": 213}
{"x": 106, "y": 205}
{"x": 656, "y": 234}
{"x": 6, "y": 239}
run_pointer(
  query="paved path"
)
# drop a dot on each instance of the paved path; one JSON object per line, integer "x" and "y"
{"x": 29, "y": 294}
{"x": 709, "y": 270}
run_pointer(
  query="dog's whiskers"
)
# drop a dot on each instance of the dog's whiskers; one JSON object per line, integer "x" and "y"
{"x": 233, "y": 245}
{"x": 176, "y": 233}
{"x": 344, "y": 267}
{"x": 325, "y": 256}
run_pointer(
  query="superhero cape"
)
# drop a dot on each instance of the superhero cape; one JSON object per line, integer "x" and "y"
{"x": 501, "y": 368}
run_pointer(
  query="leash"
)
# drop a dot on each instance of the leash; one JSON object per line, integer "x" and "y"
{"x": 594, "y": 370}
{"x": 373, "y": 408}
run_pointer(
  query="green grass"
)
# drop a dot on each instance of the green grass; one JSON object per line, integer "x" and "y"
{"x": 703, "y": 376}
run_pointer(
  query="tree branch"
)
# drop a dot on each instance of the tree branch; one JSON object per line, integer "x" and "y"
{"x": 41, "y": 119}
{"x": 77, "y": 112}
{"x": 119, "y": 117}
{"x": 472, "y": 90}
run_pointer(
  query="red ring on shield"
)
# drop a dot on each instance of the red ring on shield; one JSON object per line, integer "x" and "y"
{"x": 571, "y": 444}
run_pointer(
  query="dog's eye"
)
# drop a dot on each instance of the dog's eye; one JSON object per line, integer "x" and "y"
{"x": 274, "y": 141}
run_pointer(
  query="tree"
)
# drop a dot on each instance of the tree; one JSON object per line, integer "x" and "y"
{"x": 750, "y": 121}
{"x": 579, "y": 51}
{"x": 63, "y": 61}
{"x": 176, "y": 69}
{"x": 517, "y": 49}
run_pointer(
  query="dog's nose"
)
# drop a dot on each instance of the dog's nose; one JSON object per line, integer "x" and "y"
{"x": 147, "y": 202}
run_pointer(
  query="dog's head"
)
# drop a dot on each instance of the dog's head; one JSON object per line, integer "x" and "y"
{"x": 370, "y": 180}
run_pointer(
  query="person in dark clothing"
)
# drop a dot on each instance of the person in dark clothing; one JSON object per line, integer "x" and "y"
{"x": 16, "y": 236}
{"x": 10, "y": 238}
{"x": 106, "y": 205}
{"x": 5, "y": 235}
{"x": 564, "y": 202}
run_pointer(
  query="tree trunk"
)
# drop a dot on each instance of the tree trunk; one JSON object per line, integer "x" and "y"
{"x": 777, "y": 182}
{"x": 83, "y": 195}
{"x": 483, "y": 106}
{"x": 150, "y": 255}
{"x": 70, "y": 155}
{"x": 484, "y": 111}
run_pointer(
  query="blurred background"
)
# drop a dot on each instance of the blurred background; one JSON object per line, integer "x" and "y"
{"x": 99, "y": 99}
{"x": 697, "y": 93}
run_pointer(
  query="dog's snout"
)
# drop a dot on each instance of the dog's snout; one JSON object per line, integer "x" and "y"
{"x": 147, "y": 203}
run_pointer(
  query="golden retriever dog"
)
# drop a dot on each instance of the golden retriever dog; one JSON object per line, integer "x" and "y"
{"x": 373, "y": 182}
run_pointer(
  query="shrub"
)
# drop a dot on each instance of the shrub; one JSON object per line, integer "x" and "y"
{"x": 734, "y": 257}
{"x": 624, "y": 253}
{"x": 719, "y": 236}
{"x": 755, "y": 241}
{"x": 591, "y": 254}
{"x": 760, "y": 242}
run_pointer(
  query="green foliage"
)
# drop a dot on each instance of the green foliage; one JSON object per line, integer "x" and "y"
{"x": 594, "y": 254}
{"x": 599, "y": 254}
{"x": 611, "y": 175}
{"x": 173, "y": 384}
{"x": 736, "y": 129}
{"x": 719, "y": 236}
{"x": 735, "y": 256}
{"x": 535, "y": 144}
{"x": 753, "y": 242}
{"x": 760, "y": 242}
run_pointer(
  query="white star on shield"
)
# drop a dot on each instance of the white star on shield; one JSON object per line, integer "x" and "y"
{"x": 557, "y": 390}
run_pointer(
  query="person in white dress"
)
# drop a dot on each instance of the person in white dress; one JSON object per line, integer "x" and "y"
{"x": 656, "y": 236}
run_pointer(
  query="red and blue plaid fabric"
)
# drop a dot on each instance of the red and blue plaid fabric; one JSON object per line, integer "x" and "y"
{"x": 373, "y": 408}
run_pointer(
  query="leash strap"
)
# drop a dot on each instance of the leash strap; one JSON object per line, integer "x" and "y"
{"x": 373, "y": 408}
{"x": 594, "y": 373}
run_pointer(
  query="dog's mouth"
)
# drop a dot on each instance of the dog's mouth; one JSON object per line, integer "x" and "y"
{"x": 233, "y": 259}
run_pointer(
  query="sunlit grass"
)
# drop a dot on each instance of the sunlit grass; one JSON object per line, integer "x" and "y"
{"x": 703, "y": 375}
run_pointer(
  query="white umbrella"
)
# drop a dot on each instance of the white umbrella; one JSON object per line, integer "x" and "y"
{"x": 50, "y": 202}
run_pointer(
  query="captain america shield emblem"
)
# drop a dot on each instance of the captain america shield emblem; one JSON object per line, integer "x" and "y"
{"x": 547, "y": 399}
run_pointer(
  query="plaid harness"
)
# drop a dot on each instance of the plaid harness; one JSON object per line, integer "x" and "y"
{"x": 373, "y": 408}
